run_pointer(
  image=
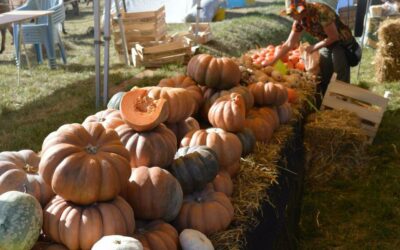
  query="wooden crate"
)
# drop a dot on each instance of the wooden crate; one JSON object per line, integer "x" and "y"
{"x": 367, "y": 105}
{"x": 140, "y": 27}
{"x": 204, "y": 33}
{"x": 155, "y": 54}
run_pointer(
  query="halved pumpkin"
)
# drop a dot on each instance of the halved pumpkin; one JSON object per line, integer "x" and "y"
{"x": 141, "y": 112}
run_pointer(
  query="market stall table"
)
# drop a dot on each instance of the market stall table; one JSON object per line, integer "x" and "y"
{"x": 19, "y": 17}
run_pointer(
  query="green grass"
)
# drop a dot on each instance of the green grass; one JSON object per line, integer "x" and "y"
{"x": 359, "y": 214}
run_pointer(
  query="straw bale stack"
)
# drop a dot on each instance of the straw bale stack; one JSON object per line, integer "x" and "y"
{"x": 387, "y": 60}
{"x": 335, "y": 146}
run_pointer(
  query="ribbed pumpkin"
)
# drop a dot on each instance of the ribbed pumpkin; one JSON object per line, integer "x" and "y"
{"x": 194, "y": 167}
{"x": 218, "y": 73}
{"x": 268, "y": 93}
{"x": 141, "y": 112}
{"x": 285, "y": 113}
{"x": 20, "y": 220}
{"x": 157, "y": 235}
{"x": 194, "y": 240}
{"x": 207, "y": 211}
{"x": 248, "y": 140}
{"x": 180, "y": 102}
{"x": 80, "y": 227}
{"x": 109, "y": 118}
{"x": 270, "y": 114}
{"x": 154, "y": 194}
{"x": 117, "y": 242}
{"x": 85, "y": 163}
{"x": 18, "y": 172}
{"x": 181, "y": 128}
{"x": 261, "y": 128}
{"x": 246, "y": 94}
{"x": 222, "y": 183}
{"x": 115, "y": 100}
{"x": 226, "y": 145}
{"x": 228, "y": 112}
{"x": 153, "y": 148}
{"x": 184, "y": 82}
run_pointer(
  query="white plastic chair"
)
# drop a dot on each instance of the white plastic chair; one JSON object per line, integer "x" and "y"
{"x": 44, "y": 31}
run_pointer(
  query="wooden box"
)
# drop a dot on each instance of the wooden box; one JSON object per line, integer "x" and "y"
{"x": 139, "y": 27}
{"x": 367, "y": 105}
{"x": 204, "y": 33}
{"x": 155, "y": 54}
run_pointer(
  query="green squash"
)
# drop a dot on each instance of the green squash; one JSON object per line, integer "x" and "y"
{"x": 194, "y": 167}
{"x": 21, "y": 220}
{"x": 115, "y": 100}
{"x": 248, "y": 140}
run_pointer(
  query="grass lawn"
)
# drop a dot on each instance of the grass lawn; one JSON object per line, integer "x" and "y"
{"x": 363, "y": 213}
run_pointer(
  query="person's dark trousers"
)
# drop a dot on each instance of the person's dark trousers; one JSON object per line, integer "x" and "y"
{"x": 332, "y": 59}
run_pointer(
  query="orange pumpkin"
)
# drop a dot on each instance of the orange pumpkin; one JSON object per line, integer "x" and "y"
{"x": 185, "y": 82}
{"x": 222, "y": 183}
{"x": 228, "y": 112}
{"x": 218, "y": 73}
{"x": 157, "y": 235}
{"x": 292, "y": 95}
{"x": 270, "y": 115}
{"x": 152, "y": 148}
{"x": 181, "y": 103}
{"x": 80, "y": 227}
{"x": 18, "y": 172}
{"x": 181, "y": 128}
{"x": 207, "y": 211}
{"x": 85, "y": 163}
{"x": 110, "y": 118}
{"x": 154, "y": 194}
{"x": 143, "y": 113}
{"x": 226, "y": 145}
{"x": 268, "y": 93}
{"x": 261, "y": 128}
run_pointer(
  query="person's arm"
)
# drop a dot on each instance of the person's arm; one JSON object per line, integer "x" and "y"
{"x": 333, "y": 36}
{"x": 291, "y": 43}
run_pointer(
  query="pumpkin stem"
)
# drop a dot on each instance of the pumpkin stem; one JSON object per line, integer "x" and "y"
{"x": 30, "y": 169}
{"x": 117, "y": 242}
{"x": 91, "y": 149}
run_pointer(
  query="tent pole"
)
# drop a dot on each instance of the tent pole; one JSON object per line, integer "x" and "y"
{"x": 106, "y": 38}
{"x": 363, "y": 36}
{"x": 124, "y": 4}
{"x": 122, "y": 31}
{"x": 96, "y": 10}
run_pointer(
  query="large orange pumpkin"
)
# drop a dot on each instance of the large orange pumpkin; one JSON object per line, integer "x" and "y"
{"x": 222, "y": 183}
{"x": 226, "y": 145}
{"x": 207, "y": 211}
{"x": 152, "y": 148}
{"x": 85, "y": 163}
{"x": 143, "y": 113}
{"x": 271, "y": 115}
{"x": 185, "y": 82}
{"x": 181, "y": 128}
{"x": 80, "y": 227}
{"x": 157, "y": 235}
{"x": 180, "y": 102}
{"x": 218, "y": 73}
{"x": 268, "y": 93}
{"x": 110, "y": 118}
{"x": 154, "y": 194}
{"x": 261, "y": 128}
{"x": 18, "y": 172}
{"x": 228, "y": 112}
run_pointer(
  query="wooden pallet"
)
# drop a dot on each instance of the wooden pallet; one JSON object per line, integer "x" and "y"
{"x": 140, "y": 27}
{"x": 367, "y": 105}
{"x": 155, "y": 54}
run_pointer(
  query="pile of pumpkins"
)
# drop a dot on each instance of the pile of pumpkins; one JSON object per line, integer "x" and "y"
{"x": 157, "y": 162}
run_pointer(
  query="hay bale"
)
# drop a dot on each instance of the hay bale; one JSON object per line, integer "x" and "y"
{"x": 387, "y": 60}
{"x": 335, "y": 146}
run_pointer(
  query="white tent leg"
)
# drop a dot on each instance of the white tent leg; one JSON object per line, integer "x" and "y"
{"x": 122, "y": 31}
{"x": 363, "y": 36}
{"x": 96, "y": 10}
{"x": 106, "y": 37}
